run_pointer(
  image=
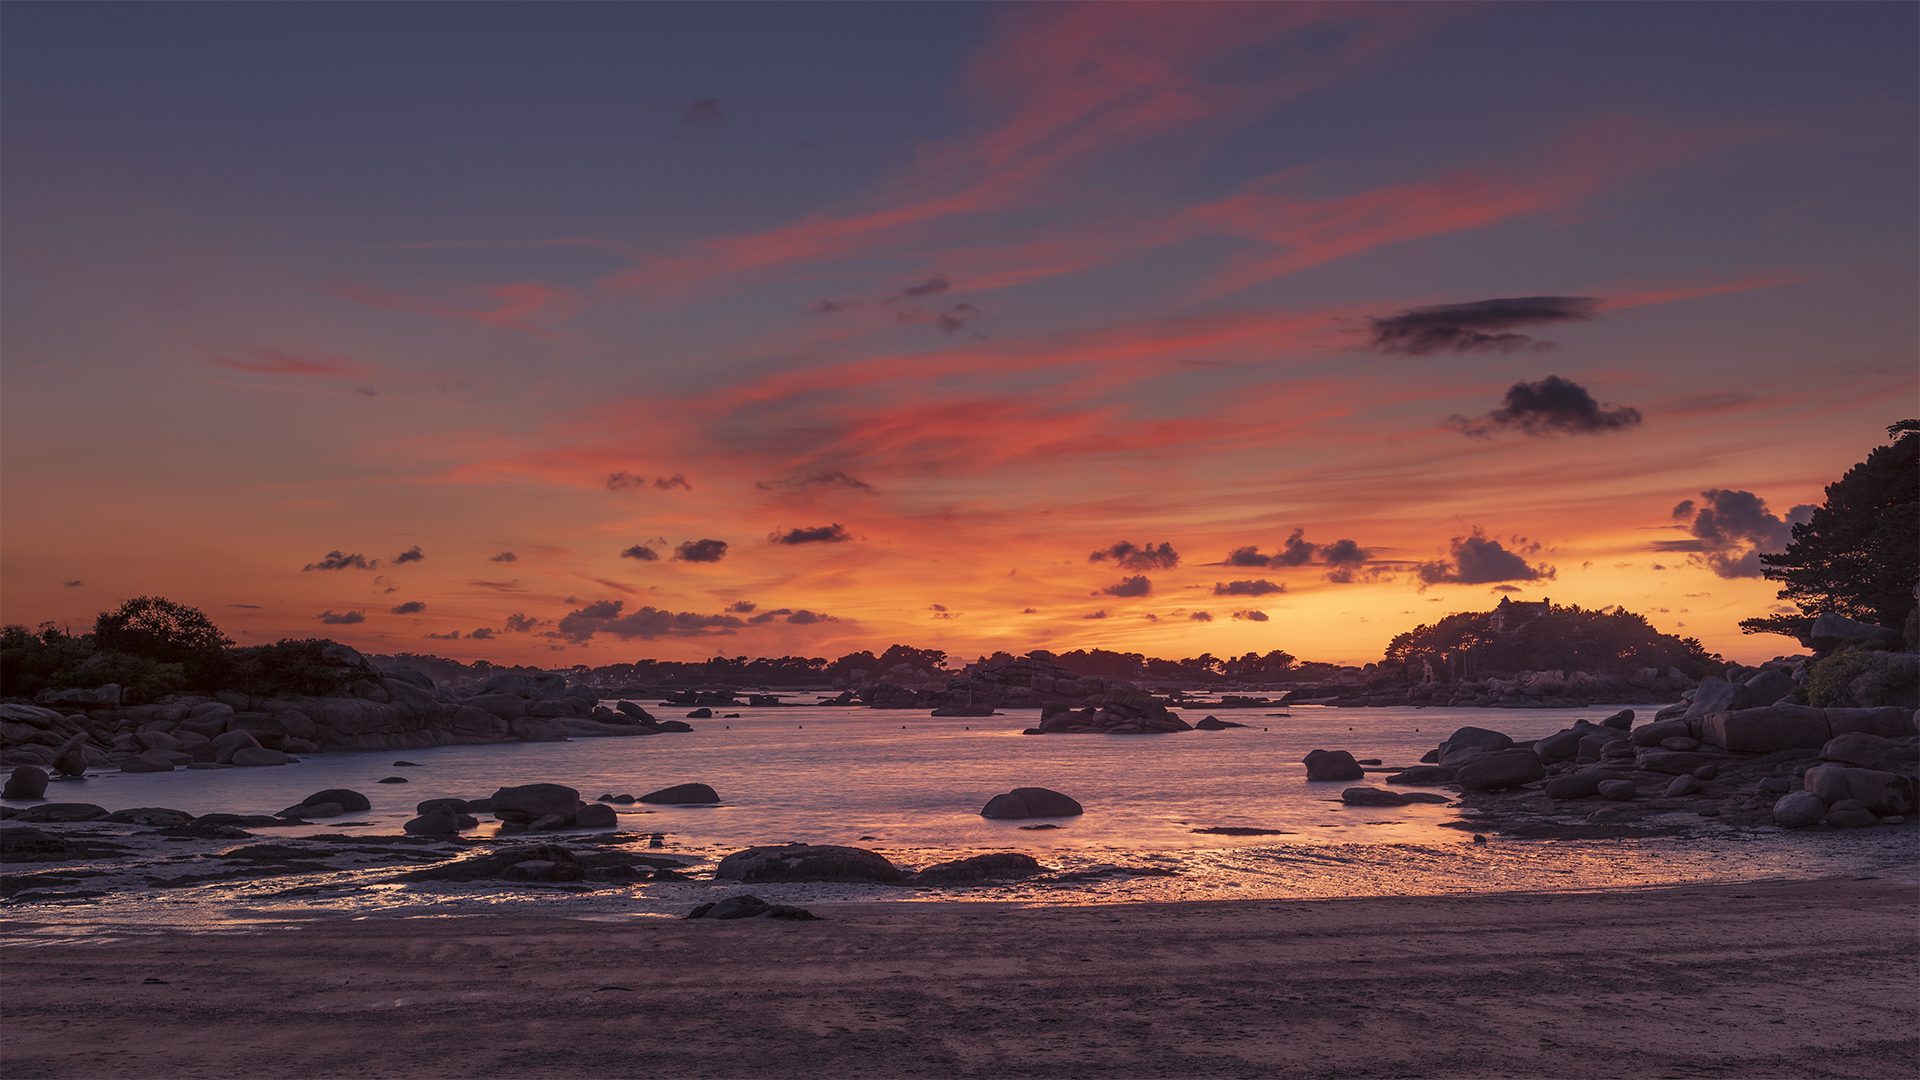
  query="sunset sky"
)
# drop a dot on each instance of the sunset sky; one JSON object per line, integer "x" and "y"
{"x": 581, "y": 333}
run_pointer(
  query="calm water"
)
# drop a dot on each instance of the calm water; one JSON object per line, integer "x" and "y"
{"x": 832, "y": 775}
{"x": 911, "y": 787}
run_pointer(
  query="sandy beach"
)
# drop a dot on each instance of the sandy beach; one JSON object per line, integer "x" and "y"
{"x": 1810, "y": 978}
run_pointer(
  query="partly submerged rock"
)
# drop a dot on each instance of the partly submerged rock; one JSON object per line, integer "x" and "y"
{"x": 807, "y": 862}
{"x": 750, "y": 907}
{"x": 1030, "y": 802}
{"x": 681, "y": 795}
{"x": 1332, "y": 765}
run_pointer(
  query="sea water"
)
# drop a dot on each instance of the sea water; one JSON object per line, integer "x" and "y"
{"x": 911, "y": 787}
{"x": 835, "y": 774}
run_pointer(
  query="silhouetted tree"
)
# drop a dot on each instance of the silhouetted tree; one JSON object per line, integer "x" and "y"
{"x": 1859, "y": 555}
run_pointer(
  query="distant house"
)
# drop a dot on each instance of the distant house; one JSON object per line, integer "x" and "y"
{"x": 1511, "y": 615}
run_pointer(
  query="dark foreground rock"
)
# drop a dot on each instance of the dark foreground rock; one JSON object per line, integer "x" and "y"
{"x": 1332, "y": 765}
{"x": 807, "y": 862}
{"x": 27, "y": 782}
{"x": 1371, "y": 796}
{"x": 682, "y": 795}
{"x": 1030, "y": 802}
{"x": 1500, "y": 769}
{"x": 750, "y": 907}
{"x": 995, "y": 866}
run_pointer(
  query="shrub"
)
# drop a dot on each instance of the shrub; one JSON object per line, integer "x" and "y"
{"x": 1864, "y": 678}
{"x": 290, "y": 666}
{"x": 142, "y": 679}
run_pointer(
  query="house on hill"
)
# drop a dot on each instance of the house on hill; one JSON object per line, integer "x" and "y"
{"x": 1511, "y": 614}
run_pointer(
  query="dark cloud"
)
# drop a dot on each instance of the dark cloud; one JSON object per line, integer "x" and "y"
{"x": 1730, "y": 529}
{"x": 648, "y": 623}
{"x": 940, "y": 611}
{"x": 1476, "y": 560}
{"x": 1251, "y": 616}
{"x": 1480, "y": 326}
{"x": 704, "y": 111}
{"x": 1345, "y": 553}
{"x": 769, "y": 616}
{"x": 1294, "y": 551}
{"x": 72, "y": 584}
{"x": 824, "y": 534}
{"x": 741, "y": 607}
{"x": 1129, "y": 557}
{"x": 803, "y": 617}
{"x": 701, "y": 551}
{"x": 834, "y": 307}
{"x": 1248, "y": 556}
{"x": 835, "y": 478}
{"x": 366, "y": 391}
{"x": 1507, "y": 588}
{"x": 1133, "y": 586}
{"x": 451, "y": 635}
{"x": 641, "y": 552}
{"x": 928, "y": 287}
{"x": 626, "y": 481}
{"x": 340, "y": 560}
{"x": 481, "y": 634}
{"x": 1344, "y": 560}
{"x": 1552, "y": 406}
{"x": 411, "y": 607}
{"x": 344, "y": 618}
{"x": 249, "y": 607}
{"x": 505, "y": 556}
{"x": 412, "y": 554}
{"x": 522, "y": 624}
{"x": 499, "y": 586}
{"x": 1101, "y": 614}
{"x": 1262, "y": 587}
{"x": 1201, "y": 616}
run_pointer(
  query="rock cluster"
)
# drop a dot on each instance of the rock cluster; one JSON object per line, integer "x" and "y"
{"x": 545, "y": 807}
{"x": 391, "y": 708}
{"x": 1116, "y": 710}
{"x": 1782, "y": 763}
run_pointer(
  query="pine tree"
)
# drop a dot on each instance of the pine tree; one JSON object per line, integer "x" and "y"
{"x": 1859, "y": 556}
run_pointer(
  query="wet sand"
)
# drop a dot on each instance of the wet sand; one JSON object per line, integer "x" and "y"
{"x": 1810, "y": 979}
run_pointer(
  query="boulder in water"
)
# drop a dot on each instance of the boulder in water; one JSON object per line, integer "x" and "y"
{"x": 1030, "y": 802}
{"x": 1332, "y": 765}
{"x": 807, "y": 862}
{"x": 680, "y": 795}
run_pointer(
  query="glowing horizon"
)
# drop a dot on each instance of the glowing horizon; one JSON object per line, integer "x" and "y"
{"x": 915, "y": 309}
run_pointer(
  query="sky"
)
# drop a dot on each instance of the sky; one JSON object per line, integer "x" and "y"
{"x": 583, "y": 333}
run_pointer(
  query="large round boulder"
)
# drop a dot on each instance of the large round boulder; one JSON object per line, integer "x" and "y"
{"x": 1030, "y": 802}
{"x": 1332, "y": 765}
{"x": 807, "y": 862}
{"x": 1881, "y": 792}
{"x": 349, "y": 799}
{"x": 1483, "y": 738}
{"x": 531, "y": 802}
{"x": 1501, "y": 769}
{"x": 1871, "y": 752}
{"x": 1799, "y": 809}
{"x": 994, "y": 866}
{"x": 682, "y": 795}
{"x": 27, "y": 782}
